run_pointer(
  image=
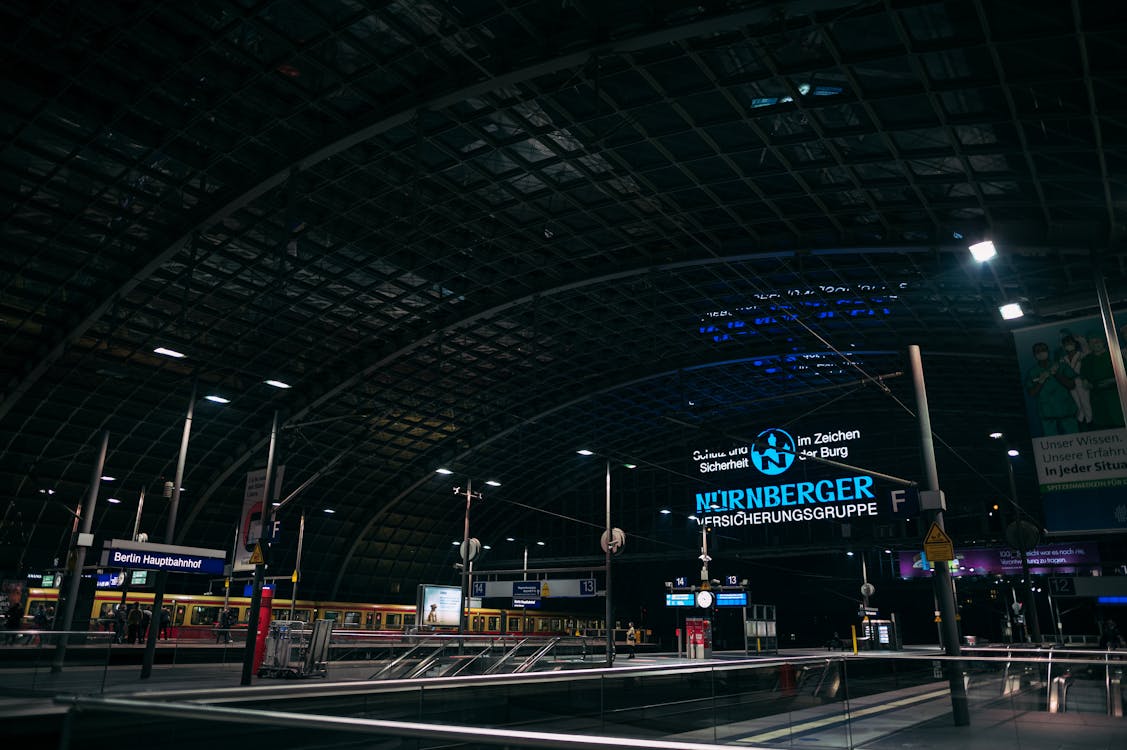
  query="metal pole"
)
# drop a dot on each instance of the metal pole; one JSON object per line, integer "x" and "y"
{"x": 260, "y": 569}
{"x": 297, "y": 563}
{"x": 524, "y": 573}
{"x": 127, "y": 574}
{"x": 941, "y": 575}
{"x": 80, "y": 554}
{"x": 1032, "y": 620}
{"x": 228, "y": 570}
{"x": 169, "y": 531}
{"x": 610, "y": 608}
{"x": 864, "y": 581}
{"x": 465, "y": 560}
{"x": 1113, "y": 343}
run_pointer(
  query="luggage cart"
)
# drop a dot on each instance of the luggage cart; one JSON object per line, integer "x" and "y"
{"x": 294, "y": 649}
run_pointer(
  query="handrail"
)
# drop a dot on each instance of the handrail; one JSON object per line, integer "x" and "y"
{"x": 536, "y": 656}
{"x": 496, "y": 666}
{"x": 397, "y": 661}
{"x": 474, "y": 735}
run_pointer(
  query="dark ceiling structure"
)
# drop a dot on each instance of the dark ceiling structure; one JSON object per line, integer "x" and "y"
{"x": 482, "y": 234}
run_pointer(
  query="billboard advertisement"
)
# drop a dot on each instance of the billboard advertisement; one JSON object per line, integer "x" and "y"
{"x": 1076, "y": 424}
{"x": 250, "y": 521}
{"x": 438, "y": 606}
{"x": 1046, "y": 559}
{"x": 792, "y": 474}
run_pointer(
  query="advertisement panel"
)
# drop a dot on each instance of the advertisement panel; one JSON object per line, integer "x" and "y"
{"x": 438, "y": 606}
{"x": 250, "y": 521}
{"x": 1062, "y": 558}
{"x": 798, "y": 474}
{"x": 1076, "y": 423}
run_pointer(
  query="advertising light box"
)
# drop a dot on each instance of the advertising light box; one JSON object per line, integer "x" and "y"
{"x": 804, "y": 473}
{"x": 438, "y": 606}
{"x": 679, "y": 600}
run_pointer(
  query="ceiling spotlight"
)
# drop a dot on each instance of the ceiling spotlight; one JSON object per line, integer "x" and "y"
{"x": 277, "y": 383}
{"x": 630, "y": 466}
{"x": 218, "y": 399}
{"x": 996, "y": 436}
{"x": 113, "y": 500}
{"x": 455, "y": 543}
{"x": 665, "y": 511}
{"x": 509, "y": 539}
{"x": 1011, "y": 311}
{"x": 443, "y": 471}
{"x": 540, "y": 544}
{"x": 1013, "y": 452}
{"x": 168, "y": 352}
{"x": 983, "y": 251}
{"x": 849, "y": 554}
{"x": 492, "y": 482}
{"x": 486, "y": 546}
{"x": 329, "y": 510}
{"x": 693, "y": 518}
{"x": 585, "y": 452}
{"x": 108, "y": 479}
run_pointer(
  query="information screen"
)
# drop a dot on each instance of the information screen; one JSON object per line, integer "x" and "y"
{"x": 679, "y": 600}
{"x": 732, "y": 600}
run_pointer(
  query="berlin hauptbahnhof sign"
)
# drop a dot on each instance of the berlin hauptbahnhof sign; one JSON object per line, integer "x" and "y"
{"x": 121, "y": 553}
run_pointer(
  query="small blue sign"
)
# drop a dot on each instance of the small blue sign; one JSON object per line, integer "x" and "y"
{"x": 526, "y": 589}
{"x": 681, "y": 582}
{"x": 586, "y": 586}
{"x": 679, "y": 600}
{"x": 731, "y": 600}
{"x": 731, "y": 581}
{"x": 248, "y": 588}
{"x": 478, "y": 589}
{"x": 527, "y": 602}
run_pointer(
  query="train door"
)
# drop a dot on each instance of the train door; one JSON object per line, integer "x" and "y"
{"x": 478, "y": 624}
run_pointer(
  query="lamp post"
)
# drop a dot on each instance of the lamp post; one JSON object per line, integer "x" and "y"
{"x": 1022, "y": 535}
{"x": 170, "y": 528}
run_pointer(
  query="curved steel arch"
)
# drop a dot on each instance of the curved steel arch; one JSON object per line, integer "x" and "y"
{"x": 390, "y": 505}
{"x": 367, "y": 370}
{"x": 381, "y": 125}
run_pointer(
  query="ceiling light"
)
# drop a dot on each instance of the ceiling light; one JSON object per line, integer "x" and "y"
{"x": 509, "y": 539}
{"x": 218, "y": 399}
{"x": 108, "y": 479}
{"x": 113, "y": 500}
{"x": 996, "y": 435}
{"x": 631, "y": 466}
{"x": 486, "y": 546}
{"x": 1013, "y": 452}
{"x": 443, "y": 471}
{"x": 665, "y": 511}
{"x": 585, "y": 452}
{"x": 693, "y": 518}
{"x": 888, "y": 552}
{"x": 849, "y": 554}
{"x": 455, "y": 542}
{"x": 1011, "y": 311}
{"x": 329, "y": 510}
{"x": 540, "y": 544}
{"x": 983, "y": 251}
{"x": 277, "y": 383}
{"x": 168, "y": 352}
{"x": 492, "y": 482}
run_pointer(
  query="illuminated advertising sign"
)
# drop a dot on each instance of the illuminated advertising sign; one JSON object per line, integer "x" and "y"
{"x": 438, "y": 606}
{"x": 783, "y": 476}
{"x": 115, "y": 580}
{"x": 679, "y": 600}
{"x": 1060, "y": 558}
{"x": 1076, "y": 422}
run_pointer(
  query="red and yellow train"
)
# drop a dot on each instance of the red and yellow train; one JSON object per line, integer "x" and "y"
{"x": 197, "y": 615}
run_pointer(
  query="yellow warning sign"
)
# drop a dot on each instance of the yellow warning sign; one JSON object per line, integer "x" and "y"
{"x": 256, "y": 557}
{"x": 937, "y": 545}
{"x": 293, "y": 578}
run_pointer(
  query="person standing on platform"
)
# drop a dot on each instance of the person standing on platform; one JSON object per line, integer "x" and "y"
{"x": 165, "y": 619}
{"x": 119, "y": 624}
{"x": 133, "y": 623}
{"x": 146, "y": 621}
{"x": 631, "y": 639}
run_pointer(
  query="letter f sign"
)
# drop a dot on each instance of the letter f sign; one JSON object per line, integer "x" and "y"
{"x": 898, "y": 499}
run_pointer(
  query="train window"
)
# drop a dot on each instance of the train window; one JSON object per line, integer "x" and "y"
{"x": 204, "y": 615}
{"x": 529, "y": 625}
{"x": 368, "y": 621}
{"x": 332, "y": 615}
{"x": 352, "y": 619}
{"x": 543, "y": 624}
{"x": 178, "y": 618}
{"x": 494, "y": 624}
{"x": 476, "y": 625}
{"x": 377, "y": 621}
{"x": 514, "y": 624}
{"x": 393, "y": 620}
{"x": 557, "y": 625}
{"x": 408, "y": 620}
{"x": 302, "y": 614}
